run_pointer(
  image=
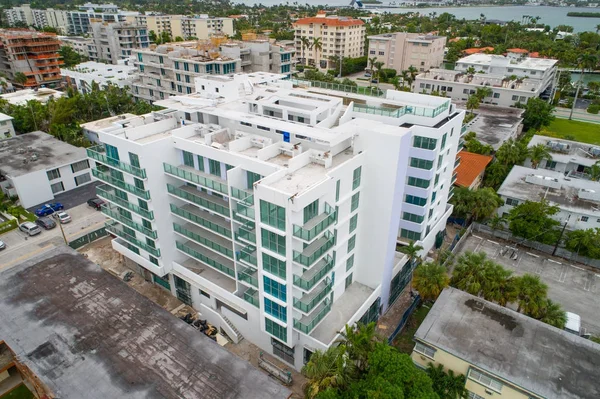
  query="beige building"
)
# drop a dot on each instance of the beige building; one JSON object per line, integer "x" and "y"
{"x": 401, "y": 50}
{"x": 160, "y": 23}
{"x": 505, "y": 354}
{"x": 203, "y": 27}
{"x": 114, "y": 41}
{"x": 340, "y": 36}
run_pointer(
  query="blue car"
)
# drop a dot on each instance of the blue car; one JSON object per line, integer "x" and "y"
{"x": 49, "y": 209}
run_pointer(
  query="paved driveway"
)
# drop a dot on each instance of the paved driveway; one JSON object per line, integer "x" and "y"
{"x": 575, "y": 288}
{"x": 73, "y": 198}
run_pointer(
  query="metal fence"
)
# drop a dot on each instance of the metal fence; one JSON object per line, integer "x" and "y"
{"x": 368, "y": 91}
{"x": 404, "y": 319}
{"x": 89, "y": 237}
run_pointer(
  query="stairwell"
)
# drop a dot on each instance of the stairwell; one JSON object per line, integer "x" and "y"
{"x": 240, "y": 337}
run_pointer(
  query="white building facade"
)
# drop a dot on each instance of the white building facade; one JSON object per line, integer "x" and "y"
{"x": 82, "y": 76}
{"x": 115, "y": 41}
{"x": 274, "y": 211}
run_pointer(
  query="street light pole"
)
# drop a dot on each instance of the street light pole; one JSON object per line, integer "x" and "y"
{"x": 61, "y": 229}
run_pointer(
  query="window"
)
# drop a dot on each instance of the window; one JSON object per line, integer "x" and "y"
{"x": 273, "y": 265}
{"x": 176, "y": 64}
{"x": 350, "y": 262}
{"x": 433, "y": 197}
{"x": 246, "y": 124}
{"x": 411, "y": 235}
{"x": 372, "y": 52}
{"x": 283, "y": 351}
{"x": 348, "y": 280}
{"x": 354, "y": 202}
{"x": 416, "y": 182}
{"x": 79, "y": 166}
{"x": 311, "y": 210}
{"x": 411, "y": 199}
{"x": 153, "y": 260}
{"x": 276, "y": 330}
{"x": 275, "y": 289}
{"x": 426, "y": 350}
{"x": 436, "y": 180}
{"x": 178, "y": 77}
{"x": 57, "y": 187}
{"x": 496, "y": 95}
{"x": 53, "y": 174}
{"x": 411, "y": 217}
{"x": 512, "y": 202}
{"x": 272, "y": 214}
{"x": 381, "y": 53}
{"x": 337, "y": 191}
{"x": 82, "y": 179}
{"x": 273, "y": 241}
{"x": 134, "y": 160}
{"x": 353, "y": 223}
{"x": 424, "y": 142}
{"x": 585, "y": 218}
{"x": 485, "y": 380}
{"x": 196, "y": 68}
{"x": 356, "y": 177}
{"x": 138, "y": 183}
{"x": 214, "y": 167}
{"x": 444, "y": 140}
{"x": 186, "y": 66}
{"x": 515, "y": 98}
{"x": 351, "y": 243}
{"x": 263, "y": 128}
{"x": 474, "y": 396}
{"x": 252, "y": 178}
{"x": 421, "y": 163}
{"x": 275, "y": 310}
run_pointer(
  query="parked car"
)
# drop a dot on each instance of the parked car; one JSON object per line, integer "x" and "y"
{"x": 2, "y": 245}
{"x": 62, "y": 217}
{"x": 49, "y": 209}
{"x": 95, "y": 203}
{"x": 46, "y": 223}
{"x": 30, "y": 228}
{"x": 374, "y": 80}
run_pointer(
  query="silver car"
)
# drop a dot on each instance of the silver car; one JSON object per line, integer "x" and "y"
{"x": 2, "y": 245}
{"x": 62, "y": 217}
{"x": 30, "y": 228}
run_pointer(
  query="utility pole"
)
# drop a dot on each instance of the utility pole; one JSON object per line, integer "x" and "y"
{"x": 560, "y": 236}
{"x": 554, "y": 87}
{"x": 576, "y": 95}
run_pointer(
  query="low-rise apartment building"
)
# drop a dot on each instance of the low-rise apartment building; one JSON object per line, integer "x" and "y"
{"x": 503, "y": 353}
{"x": 572, "y": 158}
{"x": 262, "y": 55}
{"x": 159, "y": 23}
{"x": 114, "y": 41}
{"x": 36, "y": 166}
{"x": 204, "y": 27}
{"x": 79, "y": 22}
{"x": 32, "y": 53}
{"x": 275, "y": 211}
{"x": 82, "y": 45}
{"x": 84, "y": 75}
{"x": 340, "y": 37}
{"x": 401, "y": 50}
{"x": 20, "y": 97}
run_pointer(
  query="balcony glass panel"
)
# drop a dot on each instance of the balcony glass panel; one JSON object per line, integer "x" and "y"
{"x": 316, "y": 225}
{"x": 308, "y": 301}
{"x": 115, "y": 214}
{"x": 114, "y": 228}
{"x": 204, "y": 240}
{"x": 251, "y": 296}
{"x": 248, "y": 255}
{"x": 130, "y": 188}
{"x": 98, "y": 153}
{"x": 249, "y": 276}
{"x": 311, "y": 276}
{"x": 197, "y": 177}
{"x": 203, "y": 199}
{"x": 315, "y": 250}
{"x": 202, "y": 218}
{"x": 108, "y": 193}
{"x": 308, "y": 323}
{"x": 205, "y": 257}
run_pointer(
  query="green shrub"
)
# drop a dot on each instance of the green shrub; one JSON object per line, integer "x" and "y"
{"x": 593, "y": 108}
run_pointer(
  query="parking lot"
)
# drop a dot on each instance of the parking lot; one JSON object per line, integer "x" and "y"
{"x": 577, "y": 289}
{"x": 19, "y": 246}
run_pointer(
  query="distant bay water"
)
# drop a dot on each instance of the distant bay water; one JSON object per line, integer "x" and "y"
{"x": 552, "y": 16}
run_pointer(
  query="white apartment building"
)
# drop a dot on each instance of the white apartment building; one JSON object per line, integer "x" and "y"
{"x": 275, "y": 211}
{"x": 402, "y": 50}
{"x": 37, "y": 18}
{"x": 79, "y": 22}
{"x": 340, "y": 36}
{"x": 204, "y": 27}
{"x": 7, "y": 129}
{"x": 36, "y": 166}
{"x": 262, "y": 55}
{"x": 22, "y": 13}
{"x": 82, "y": 45}
{"x": 114, "y": 41}
{"x": 82, "y": 76}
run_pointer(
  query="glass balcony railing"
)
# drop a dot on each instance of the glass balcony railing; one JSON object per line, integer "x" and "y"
{"x": 130, "y": 188}
{"x": 107, "y": 192}
{"x": 249, "y": 276}
{"x": 463, "y": 130}
{"x": 306, "y": 325}
{"x": 204, "y": 259}
{"x": 308, "y": 301}
{"x": 198, "y": 199}
{"x": 451, "y": 192}
{"x": 243, "y": 195}
{"x": 312, "y": 276}
{"x": 113, "y": 227}
{"x": 203, "y": 240}
{"x": 195, "y": 218}
{"x": 115, "y": 214}
{"x": 197, "y": 177}
{"x": 315, "y": 250}
{"x": 454, "y": 176}
{"x": 316, "y": 225}
{"x": 245, "y": 234}
{"x": 98, "y": 153}
{"x": 248, "y": 255}
{"x": 401, "y": 111}
{"x": 246, "y": 209}
{"x": 251, "y": 296}
{"x": 457, "y": 162}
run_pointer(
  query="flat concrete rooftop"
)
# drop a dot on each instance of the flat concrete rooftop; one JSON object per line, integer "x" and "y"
{"x": 86, "y": 334}
{"x": 493, "y": 125}
{"x": 576, "y": 152}
{"x": 48, "y": 152}
{"x": 533, "y": 355}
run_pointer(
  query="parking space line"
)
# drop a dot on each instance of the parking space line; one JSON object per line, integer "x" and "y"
{"x": 553, "y": 261}
{"x": 534, "y": 255}
{"x": 473, "y": 235}
{"x": 563, "y": 274}
{"x": 577, "y": 267}
{"x": 493, "y": 242}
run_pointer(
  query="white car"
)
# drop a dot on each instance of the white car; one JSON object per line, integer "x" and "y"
{"x": 2, "y": 245}
{"x": 62, "y": 217}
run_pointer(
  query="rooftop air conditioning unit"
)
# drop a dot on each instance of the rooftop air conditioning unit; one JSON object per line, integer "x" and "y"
{"x": 595, "y": 151}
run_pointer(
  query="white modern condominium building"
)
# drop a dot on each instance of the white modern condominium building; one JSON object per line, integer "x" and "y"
{"x": 275, "y": 211}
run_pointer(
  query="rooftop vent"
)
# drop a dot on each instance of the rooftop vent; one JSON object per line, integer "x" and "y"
{"x": 558, "y": 146}
{"x": 545, "y": 181}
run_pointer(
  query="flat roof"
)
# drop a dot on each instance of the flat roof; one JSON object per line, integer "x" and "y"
{"x": 21, "y": 97}
{"x": 41, "y": 150}
{"x": 527, "y": 63}
{"x": 576, "y": 152}
{"x": 493, "y": 125}
{"x": 4, "y": 117}
{"x": 86, "y": 334}
{"x": 532, "y": 355}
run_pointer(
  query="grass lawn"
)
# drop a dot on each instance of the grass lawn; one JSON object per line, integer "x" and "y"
{"x": 573, "y": 130}
{"x": 404, "y": 341}
{"x": 20, "y": 392}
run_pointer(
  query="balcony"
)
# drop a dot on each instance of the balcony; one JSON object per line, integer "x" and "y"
{"x": 113, "y": 212}
{"x": 203, "y": 218}
{"x": 457, "y": 162}
{"x": 249, "y": 276}
{"x": 205, "y": 238}
{"x": 246, "y": 208}
{"x": 207, "y": 257}
{"x": 113, "y": 227}
{"x": 316, "y": 225}
{"x": 200, "y": 198}
{"x": 315, "y": 250}
{"x": 247, "y": 256}
{"x": 454, "y": 176}
{"x": 251, "y": 296}
{"x": 195, "y": 176}
{"x": 246, "y": 233}
{"x": 307, "y": 323}
{"x": 401, "y": 111}
{"x": 308, "y": 301}
{"x": 451, "y": 192}
{"x": 311, "y": 276}
{"x": 98, "y": 153}
{"x": 108, "y": 193}
{"x": 244, "y": 195}
{"x": 130, "y": 188}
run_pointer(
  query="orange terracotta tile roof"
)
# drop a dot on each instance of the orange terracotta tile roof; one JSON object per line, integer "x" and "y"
{"x": 517, "y": 50}
{"x": 471, "y": 165}
{"x": 476, "y": 50}
{"x": 329, "y": 21}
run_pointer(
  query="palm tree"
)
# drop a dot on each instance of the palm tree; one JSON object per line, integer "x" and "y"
{"x": 413, "y": 73}
{"x": 469, "y": 273}
{"x": 405, "y": 78}
{"x": 447, "y": 384}
{"x": 379, "y": 66}
{"x": 372, "y": 62}
{"x": 20, "y": 78}
{"x": 483, "y": 92}
{"x": 430, "y": 279}
{"x": 538, "y": 153}
{"x": 305, "y": 41}
{"x": 359, "y": 342}
{"x": 584, "y": 61}
{"x": 499, "y": 284}
{"x": 472, "y": 103}
{"x": 511, "y": 152}
{"x": 531, "y": 294}
{"x": 595, "y": 171}
{"x": 317, "y": 45}
{"x": 412, "y": 251}
{"x": 553, "y": 314}
{"x": 470, "y": 71}
{"x": 485, "y": 202}
{"x": 326, "y": 370}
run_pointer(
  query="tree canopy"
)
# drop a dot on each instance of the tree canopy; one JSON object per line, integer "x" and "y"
{"x": 533, "y": 221}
